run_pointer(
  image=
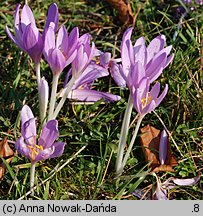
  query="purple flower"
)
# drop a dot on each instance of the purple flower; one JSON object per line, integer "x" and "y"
{"x": 161, "y": 192}
{"x": 27, "y": 36}
{"x": 153, "y": 58}
{"x": 46, "y": 146}
{"x": 61, "y": 51}
{"x": 82, "y": 88}
{"x": 146, "y": 100}
{"x": 85, "y": 53}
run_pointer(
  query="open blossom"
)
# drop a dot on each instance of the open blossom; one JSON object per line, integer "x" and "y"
{"x": 146, "y": 100}
{"x": 27, "y": 36}
{"x": 161, "y": 192}
{"x": 151, "y": 59}
{"x": 61, "y": 51}
{"x": 82, "y": 89}
{"x": 46, "y": 147}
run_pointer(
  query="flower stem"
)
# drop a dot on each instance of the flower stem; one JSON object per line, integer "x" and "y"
{"x": 37, "y": 70}
{"x": 123, "y": 134}
{"x": 63, "y": 99}
{"x": 32, "y": 177}
{"x": 53, "y": 96}
{"x": 131, "y": 144}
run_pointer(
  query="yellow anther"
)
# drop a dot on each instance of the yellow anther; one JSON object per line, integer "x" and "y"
{"x": 146, "y": 101}
{"x": 34, "y": 151}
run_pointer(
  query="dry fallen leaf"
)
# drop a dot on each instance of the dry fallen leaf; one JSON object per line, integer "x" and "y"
{"x": 150, "y": 140}
{"x": 125, "y": 13}
{"x": 7, "y": 153}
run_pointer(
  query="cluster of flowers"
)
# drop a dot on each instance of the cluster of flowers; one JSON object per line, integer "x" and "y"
{"x": 137, "y": 69}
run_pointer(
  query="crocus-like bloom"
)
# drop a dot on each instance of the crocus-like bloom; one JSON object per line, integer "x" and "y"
{"x": 153, "y": 58}
{"x": 82, "y": 88}
{"x": 27, "y": 36}
{"x": 161, "y": 192}
{"x": 85, "y": 53}
{"x": 61, "y": 51}
{"x": 146, "y": 100}
{"x": 46, "y": 147}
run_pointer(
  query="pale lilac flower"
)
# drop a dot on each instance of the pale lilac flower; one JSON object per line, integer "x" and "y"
{"x": 61, "y": 51}
{"x": 85, "y": 53}
{"x": 82, "y": 88}
{"x": 153, "y": 58}
{"x": 146, "y": 100}
{"x": 161, "y": 192}
{"x": 27, "y": 36}
{"x": 46, "y": 147}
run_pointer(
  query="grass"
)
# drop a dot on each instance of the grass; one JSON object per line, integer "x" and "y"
{"x": 94, "y": 129}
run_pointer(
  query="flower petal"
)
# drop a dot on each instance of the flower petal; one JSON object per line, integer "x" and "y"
{"x": 161, "y": 97}
{"x": 17, "y": 17}
{"x": 57, "y": 61}
{"x": 58, "y": 149}
{"x": 45, "y": 154}
{"x": 22, "y": 148}
{"x": 49, "y": 42}
{"x": 27, "y": 17}
{"x": 28, "y": 130}
{"x": 91, "y": 73}
{"x": 91, "y": 95}
{"x": 187, "y": 182}
{"x": 155, "y": 67}
{"x": 49, "y": 134}
{"x": 115, "y": 71}
{"x": 52, "y": 17}
{"x": 33, "y": 43}
{"x": 26, "y": 114}
{"x": 155, "y": 46}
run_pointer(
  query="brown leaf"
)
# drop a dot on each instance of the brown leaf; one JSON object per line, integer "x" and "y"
{"x": 150, "y": 140}
{"x": 5, "y": 150}
{"x": 125, "y": 13}
{"x": 7, "y": 153}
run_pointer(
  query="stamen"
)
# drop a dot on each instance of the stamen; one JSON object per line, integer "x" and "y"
{"x": 147, "y": 100}
{"x": 34, "y": 151}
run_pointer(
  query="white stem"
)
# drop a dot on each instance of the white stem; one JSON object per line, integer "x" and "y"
{"x": 131, "y": 144}
{"x": 37, "y": 70}
{"x": 63, "y": 99}
{"x": 124, "y": 133}
{"x": 53, "y": 97}
{"x": 32, "y": 177}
